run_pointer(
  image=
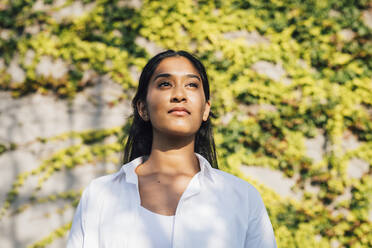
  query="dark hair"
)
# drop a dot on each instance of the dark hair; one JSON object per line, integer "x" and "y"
{"x": 139, "y": 140}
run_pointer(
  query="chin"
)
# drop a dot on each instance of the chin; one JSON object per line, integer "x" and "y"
{"x": 178, "y": 131}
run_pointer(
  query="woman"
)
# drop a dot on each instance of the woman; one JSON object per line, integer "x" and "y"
{"x": 169, "y": 192}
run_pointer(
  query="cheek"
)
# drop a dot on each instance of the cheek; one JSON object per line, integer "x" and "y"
{"x": 198, "y": 104}
{"x": 155, "y": 102}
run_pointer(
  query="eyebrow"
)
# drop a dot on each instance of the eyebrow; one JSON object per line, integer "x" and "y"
{"x": 167, "y": 75}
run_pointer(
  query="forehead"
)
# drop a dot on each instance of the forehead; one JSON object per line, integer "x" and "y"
{"x": 176, "y": 65}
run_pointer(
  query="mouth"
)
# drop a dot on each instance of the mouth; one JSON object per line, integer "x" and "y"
{"x": 179, "y": 111}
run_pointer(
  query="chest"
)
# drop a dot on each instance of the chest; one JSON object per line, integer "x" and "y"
{"x": 205, "y": 218}
{"x": 199, "y": 222}
{"x": 161, "y": 194}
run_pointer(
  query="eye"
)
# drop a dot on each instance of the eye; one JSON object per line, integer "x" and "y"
{"x": 163, "y": 84}
{"x": 194, "y": 85}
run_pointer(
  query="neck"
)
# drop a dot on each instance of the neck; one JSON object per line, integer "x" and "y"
{"x": 172, "y": 155}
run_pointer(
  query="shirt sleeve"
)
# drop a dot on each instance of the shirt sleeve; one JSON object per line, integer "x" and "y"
{"x": 260, "y": 233}
{"x": 76, "y": 235}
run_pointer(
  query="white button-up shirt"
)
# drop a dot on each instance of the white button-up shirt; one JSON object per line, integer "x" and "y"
{"x": 216, "y": 210}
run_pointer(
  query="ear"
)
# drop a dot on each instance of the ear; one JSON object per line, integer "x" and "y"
{"x": 142, "y": 110}
{"x": 207, "y": 110}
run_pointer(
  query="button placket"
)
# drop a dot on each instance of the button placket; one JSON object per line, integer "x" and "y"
{"x": 192, "y": 189}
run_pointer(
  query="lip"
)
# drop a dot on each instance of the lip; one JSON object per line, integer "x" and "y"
{"x": 179, "y": 111}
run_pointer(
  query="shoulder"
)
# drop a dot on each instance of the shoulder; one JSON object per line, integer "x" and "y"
{"x": 103, "y": 183}
{"x": 234, "y": 181}
{"x": 240, "y": 186}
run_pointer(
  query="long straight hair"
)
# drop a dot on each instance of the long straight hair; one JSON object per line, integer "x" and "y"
{"x": 139, "y": 140}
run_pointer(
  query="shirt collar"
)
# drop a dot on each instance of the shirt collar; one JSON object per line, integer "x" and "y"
{"x": 131, "y": 176}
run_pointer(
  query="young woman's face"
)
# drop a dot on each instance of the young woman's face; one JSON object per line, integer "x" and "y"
{"x": 175, "y": 84}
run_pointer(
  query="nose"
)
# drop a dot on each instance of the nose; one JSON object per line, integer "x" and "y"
{"x": 178, "y": 94}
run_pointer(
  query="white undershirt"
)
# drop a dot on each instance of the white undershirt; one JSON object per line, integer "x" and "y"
{"x": 158, "y": 228}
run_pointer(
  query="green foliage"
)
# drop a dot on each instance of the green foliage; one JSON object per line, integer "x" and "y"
{"x": 58, "y": 233}
{"x": 264, "y": 121}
